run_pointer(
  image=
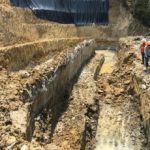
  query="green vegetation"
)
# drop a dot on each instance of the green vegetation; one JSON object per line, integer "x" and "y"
{"x": 142, "y": 11}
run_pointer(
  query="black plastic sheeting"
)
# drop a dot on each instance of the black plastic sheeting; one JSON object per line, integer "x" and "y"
{"x": 79, "y": 12}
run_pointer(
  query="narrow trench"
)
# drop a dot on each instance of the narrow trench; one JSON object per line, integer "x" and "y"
{"x": 110, "y": 125}
{"x": 78, "y": 123}
{"x": 119, "y": 125}
{"x": 93, "y": 111}
{"x": 90, "y": 119}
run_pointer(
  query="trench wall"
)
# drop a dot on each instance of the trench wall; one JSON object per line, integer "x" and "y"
{"x": 24, "y": 53}
{"x": 141, "y": 85}
{"x": 52, "y": 88}
{"x": 144, "y": 105}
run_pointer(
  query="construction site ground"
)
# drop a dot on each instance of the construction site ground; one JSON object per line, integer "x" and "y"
{"x": 96, "y": 114}
{"x": 64, "y": 87}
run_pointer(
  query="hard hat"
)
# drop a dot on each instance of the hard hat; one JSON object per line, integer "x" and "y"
{"x": 143, "y": 40}
{"x": 148, "y": 43}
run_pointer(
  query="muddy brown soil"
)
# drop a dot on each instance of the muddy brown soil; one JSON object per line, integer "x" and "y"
{"x": 13, "y": 102}
{"x": 108, "y": 114}
{"x": 68, "y": 133}
{"x": 114, "y": 123}
{"x": 120, "y": 125}
{"x": 101, "y": 114}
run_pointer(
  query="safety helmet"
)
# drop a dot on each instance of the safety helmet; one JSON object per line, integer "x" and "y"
{"x": 143, "y": 40}
{"x": 148, "y": 43}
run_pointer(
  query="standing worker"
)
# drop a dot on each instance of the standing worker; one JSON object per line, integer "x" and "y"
{"x": 147, "y": 54}
{"x": 142, "y": 47}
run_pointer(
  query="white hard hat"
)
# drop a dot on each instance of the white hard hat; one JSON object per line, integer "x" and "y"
{"x": 143, "y": 40}
{"x": 148, "y": 43}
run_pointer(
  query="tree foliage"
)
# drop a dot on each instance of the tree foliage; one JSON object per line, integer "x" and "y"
{"x": 142, "y": 11}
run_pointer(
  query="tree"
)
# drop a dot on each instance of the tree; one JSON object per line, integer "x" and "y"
{"x": 142, "y": 11}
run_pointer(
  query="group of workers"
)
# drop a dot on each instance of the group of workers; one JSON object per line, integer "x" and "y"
{"x": 145, "y": 53}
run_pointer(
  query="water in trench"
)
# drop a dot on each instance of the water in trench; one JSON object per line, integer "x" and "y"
{"x": 116, "y": 123}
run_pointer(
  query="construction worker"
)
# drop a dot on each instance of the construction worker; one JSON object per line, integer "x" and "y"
{"x": 147, "y": 54}
{"x": 142, "y": 47}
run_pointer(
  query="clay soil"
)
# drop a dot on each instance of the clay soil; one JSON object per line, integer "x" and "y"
{"x": 95, "y": 115}
{"x": 14, "y": 85}
{"x": 120, "y": 125}
{"x": 117, "y": 120}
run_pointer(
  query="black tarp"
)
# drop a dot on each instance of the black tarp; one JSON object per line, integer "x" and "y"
{"x": 68, "y": 11}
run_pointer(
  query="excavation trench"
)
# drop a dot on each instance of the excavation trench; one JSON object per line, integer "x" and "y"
{"x": 48, "y": 96}
{"x": 120, "y": 125}
{"x": 70, "y": 110}
{"x": 102, "y": 119}
{"x": 71, "y": 123}
{"x": 40, "y": 88}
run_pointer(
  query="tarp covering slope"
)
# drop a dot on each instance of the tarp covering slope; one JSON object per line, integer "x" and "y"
{"x": 68, "y": 11}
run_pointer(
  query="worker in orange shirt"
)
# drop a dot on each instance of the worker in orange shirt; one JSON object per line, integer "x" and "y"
{"x": 142, "y": 47}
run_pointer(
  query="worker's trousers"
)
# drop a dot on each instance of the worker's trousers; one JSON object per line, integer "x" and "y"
{"x": 146, "y": 61}
{"x": 143, "y": 57}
